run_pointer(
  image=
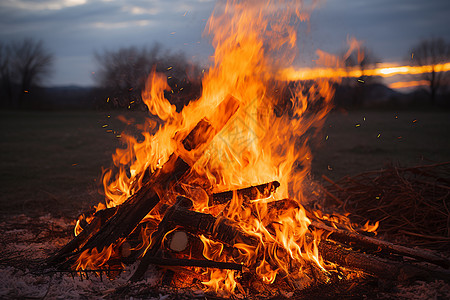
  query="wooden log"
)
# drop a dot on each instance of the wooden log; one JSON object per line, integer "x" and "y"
{"x": 90, "y": 229}
{"x": 248, "y": 194}
{"x": 134, "y": 209}
{"x": 194, "y": 222}
{"x": 364, "y": 242}
{"x": 377, "y": 267}
{"x": 219, "y": 229}
{"x": 332, "y": 252}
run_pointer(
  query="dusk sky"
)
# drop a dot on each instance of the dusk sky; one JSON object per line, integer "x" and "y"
{"x": 74, "y": 29}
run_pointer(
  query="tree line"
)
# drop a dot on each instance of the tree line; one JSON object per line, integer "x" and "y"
{"x": 121, "y": 74}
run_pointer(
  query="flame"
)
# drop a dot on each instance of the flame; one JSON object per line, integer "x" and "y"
{"x": 93, "y": 260}
{"x": 266, "y": 140}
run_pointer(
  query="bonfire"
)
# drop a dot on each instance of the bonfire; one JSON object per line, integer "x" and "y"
{"x": 220, "y": 196}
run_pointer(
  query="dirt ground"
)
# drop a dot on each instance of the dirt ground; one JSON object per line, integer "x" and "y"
{"x": 51, "y": 163}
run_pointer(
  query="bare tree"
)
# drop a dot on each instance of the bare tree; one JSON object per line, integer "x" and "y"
{"x": 432, "y": 52}
{"x": 6, "y": 87}
{"x": 362, "y": 60}
{"x": 122, "y": 74}
{"x": 30, "y": 63}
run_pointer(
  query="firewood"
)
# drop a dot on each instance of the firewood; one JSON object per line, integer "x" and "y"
{"x": 375, "y": 266}
{"x": 202, "y": 263}
{"x": 135, "y": 208}
{"x": 194, "y": 246}
{"x": 368, "y": 243}
{"x": 248, "y": 194}
{"x": 332, "y": 252}
{"x": 194, "y": 222}
{"x": 99, "y": 220}
{"x": 179, "y": 241}
{"x": 219, "y": 229}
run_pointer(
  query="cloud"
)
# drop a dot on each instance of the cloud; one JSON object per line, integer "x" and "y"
{"x": 42, "y": 5}
{"x": 116, "y": 25}
{"x": 138, "y": 10}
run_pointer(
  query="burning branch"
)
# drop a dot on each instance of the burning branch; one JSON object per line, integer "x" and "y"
{"x": 133, "y": 210}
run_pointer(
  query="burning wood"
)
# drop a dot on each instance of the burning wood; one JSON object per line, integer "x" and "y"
{"x": 203, "y": 192}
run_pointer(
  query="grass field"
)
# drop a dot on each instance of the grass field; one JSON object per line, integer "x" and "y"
{"x": 51, "y": 161}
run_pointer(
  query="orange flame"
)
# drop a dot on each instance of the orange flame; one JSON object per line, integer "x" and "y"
{"x": 263, "y": 142}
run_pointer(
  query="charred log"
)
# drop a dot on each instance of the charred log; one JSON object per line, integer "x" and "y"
{"x": 134, "y": 209}
{"x": 375, "y": 266}
{"x": 368, "y": 243}
{"x": 250, "y": 193}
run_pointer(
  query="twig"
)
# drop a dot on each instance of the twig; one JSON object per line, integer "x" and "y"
{"x": 348, "y": 237}
{"x": 431, "y": 237}
{"x": 194, "y": 263}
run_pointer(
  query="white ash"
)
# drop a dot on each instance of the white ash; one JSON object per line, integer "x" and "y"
{"x": 23, "y": 251}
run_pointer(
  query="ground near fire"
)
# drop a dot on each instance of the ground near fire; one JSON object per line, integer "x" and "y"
{"x": 50, "y": 172}
{"x": 255, "y": 189}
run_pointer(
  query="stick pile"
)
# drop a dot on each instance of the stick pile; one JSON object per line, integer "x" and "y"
{"x": 411, "y": 203}
{"x": 175, "y": 240}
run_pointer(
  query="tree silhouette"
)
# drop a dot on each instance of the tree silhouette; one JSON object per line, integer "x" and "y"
{"x": 122, "y": 75}
{"x": 432, "y": 52}
{"x": 32, "y": 63}
{"x": 6, "y": 87}
{"x": 24, "y": 65}
{"x": 362, "y": 60}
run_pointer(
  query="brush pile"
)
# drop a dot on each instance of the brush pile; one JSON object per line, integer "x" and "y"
{"x": 412, "y": 204}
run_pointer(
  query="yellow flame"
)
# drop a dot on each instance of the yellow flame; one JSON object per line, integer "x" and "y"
{"x": 262, "y": 142}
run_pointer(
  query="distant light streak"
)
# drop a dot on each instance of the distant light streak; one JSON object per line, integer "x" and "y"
{"x": 408, "y": 84}
{"x": 385, "y": 70}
